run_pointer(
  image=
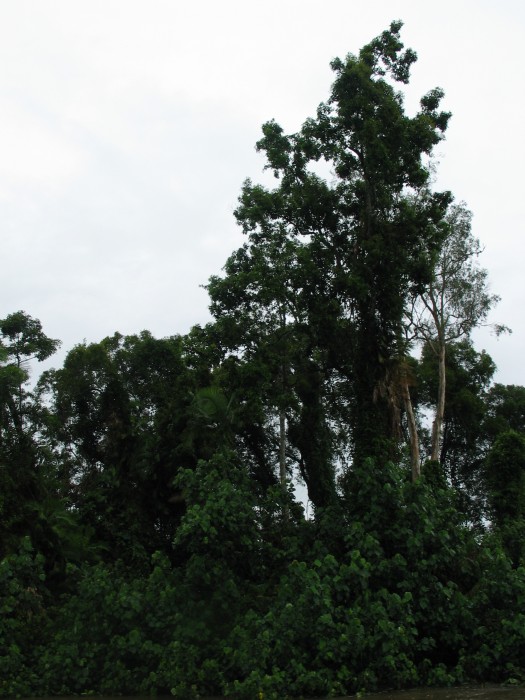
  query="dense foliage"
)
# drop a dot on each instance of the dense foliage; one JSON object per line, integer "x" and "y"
{"x": 152, "y": 539}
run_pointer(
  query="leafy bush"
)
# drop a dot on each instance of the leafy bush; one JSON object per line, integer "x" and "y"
{"x": 22, "y": 616}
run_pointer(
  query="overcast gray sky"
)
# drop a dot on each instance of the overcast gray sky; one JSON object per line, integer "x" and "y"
{"x": 127, "y": 128}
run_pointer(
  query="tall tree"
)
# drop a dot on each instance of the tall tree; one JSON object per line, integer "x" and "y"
{"x": 341, "y": 255}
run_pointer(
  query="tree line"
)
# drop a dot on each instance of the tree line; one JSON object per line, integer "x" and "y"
{"x": 151, "y": 540}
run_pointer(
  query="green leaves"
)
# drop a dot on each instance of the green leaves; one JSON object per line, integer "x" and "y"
{"x": 505, "y": 469}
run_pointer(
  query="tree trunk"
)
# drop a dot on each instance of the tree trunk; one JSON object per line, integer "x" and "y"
{"x": 440, "y": 408}
{"x": 282, "y": 425}
{"x": 282, "y": 448}
{"x": 282, "y": 458}
{"x": 412, "y": 431}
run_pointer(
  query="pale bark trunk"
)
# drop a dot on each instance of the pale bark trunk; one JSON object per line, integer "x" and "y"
{"x": 282, "y": 448}
{"x": 282, "y": 458}
{"x": 440, "y": 408}
{"x": 412, "y": 431}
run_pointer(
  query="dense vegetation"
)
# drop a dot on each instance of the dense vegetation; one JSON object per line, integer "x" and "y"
{"x": 150, "y": 537}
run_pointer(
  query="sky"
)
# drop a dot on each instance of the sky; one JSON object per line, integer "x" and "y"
{"x": 128, "y": 126}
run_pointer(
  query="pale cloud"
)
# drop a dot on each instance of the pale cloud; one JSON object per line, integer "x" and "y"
{"x": 127, "y": 128}
{"x": 34, "y": 153}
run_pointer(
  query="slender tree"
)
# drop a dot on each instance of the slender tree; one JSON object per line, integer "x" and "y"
{"x": 25, "y": 483}
{"x": 455, "y": 301}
